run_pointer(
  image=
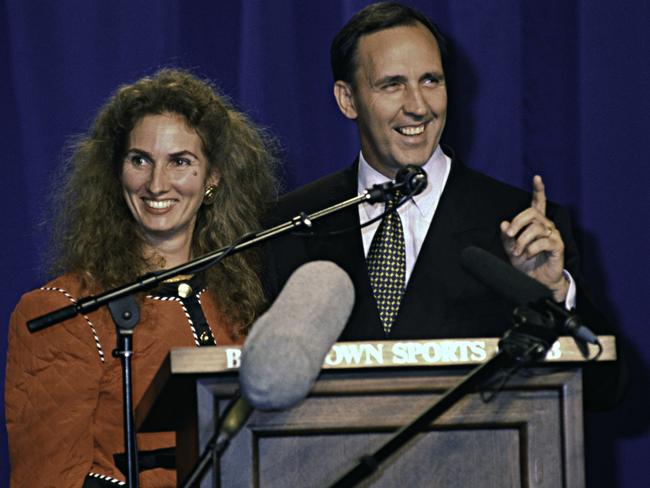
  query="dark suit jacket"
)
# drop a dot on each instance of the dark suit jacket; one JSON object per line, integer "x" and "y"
{"x": 441, "y": 300}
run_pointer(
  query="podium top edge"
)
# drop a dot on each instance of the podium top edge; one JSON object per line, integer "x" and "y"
{"x": 390, "y": 354}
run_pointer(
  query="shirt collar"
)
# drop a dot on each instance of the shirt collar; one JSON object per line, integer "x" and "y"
{"x": 437, "y": 169}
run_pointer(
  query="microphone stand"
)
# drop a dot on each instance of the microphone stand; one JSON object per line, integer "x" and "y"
{"x": 126, "y": 315}
{"x": 528, "y": 341}
{"x": 125, "y": 312}
{"x": 232, "y": 420}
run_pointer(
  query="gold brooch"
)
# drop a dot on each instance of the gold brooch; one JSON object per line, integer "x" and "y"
{"x": 184, "y": 290}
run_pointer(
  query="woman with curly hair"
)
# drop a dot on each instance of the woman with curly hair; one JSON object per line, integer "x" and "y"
{"x": 169, "y": 171}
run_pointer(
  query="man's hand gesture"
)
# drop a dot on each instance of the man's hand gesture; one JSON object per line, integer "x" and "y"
{"x": 535, "y": 246}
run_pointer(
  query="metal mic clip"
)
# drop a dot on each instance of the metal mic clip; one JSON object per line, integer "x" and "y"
{"x": 410, "y": 180}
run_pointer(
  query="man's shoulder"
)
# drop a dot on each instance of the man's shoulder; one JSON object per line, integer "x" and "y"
{"x": 496, "y": 197}
{"x": 313, "y": 196}
{"x": 496, "y": 189}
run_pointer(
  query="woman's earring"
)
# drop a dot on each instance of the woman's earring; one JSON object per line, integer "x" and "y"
{"x": 210, "y": 195}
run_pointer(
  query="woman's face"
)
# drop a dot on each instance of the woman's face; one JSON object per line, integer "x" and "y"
{"x": 164, "y": 175}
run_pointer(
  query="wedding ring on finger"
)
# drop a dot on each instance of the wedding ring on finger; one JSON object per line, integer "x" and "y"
{"x": 549, "y": 231}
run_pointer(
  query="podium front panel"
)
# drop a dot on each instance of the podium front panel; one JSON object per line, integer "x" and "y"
{"x": 528, "y": 435}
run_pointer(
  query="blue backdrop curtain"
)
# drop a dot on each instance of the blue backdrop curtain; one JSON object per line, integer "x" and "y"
{"x": 554, "y": 87}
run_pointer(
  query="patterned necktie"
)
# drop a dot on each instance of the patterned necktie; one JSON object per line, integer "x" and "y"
{"x": 386, "y": 263}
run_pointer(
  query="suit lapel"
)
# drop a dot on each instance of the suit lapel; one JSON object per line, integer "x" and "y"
{"x": 436, "y": 273}
{"x": 346, "y": 247}
{"x": 452, "y": 216}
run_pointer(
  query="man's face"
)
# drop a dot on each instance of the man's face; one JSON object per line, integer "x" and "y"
{"x": 398, "y": 97}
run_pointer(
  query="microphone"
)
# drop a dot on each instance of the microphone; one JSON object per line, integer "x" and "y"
{"x": 286, "y": 348}
{"x": 285, "y": 351}
{"x": 520, "y": 289}
{"x": 410, "y": 180}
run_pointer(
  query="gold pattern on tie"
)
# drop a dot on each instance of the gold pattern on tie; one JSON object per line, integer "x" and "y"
{"x": 386, "y": 263}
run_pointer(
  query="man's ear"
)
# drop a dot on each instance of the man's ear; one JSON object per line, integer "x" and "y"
{"x": 345, "y": 99}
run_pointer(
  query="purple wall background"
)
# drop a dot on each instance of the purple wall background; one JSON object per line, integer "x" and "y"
{"x": 556, "y": 87}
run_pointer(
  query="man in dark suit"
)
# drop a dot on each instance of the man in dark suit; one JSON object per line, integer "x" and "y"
{"x": 389, "y": 77}
{"x": 388, "y": 64}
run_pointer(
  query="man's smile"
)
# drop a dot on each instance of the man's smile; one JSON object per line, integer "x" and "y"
{"x": 412, "y": 130}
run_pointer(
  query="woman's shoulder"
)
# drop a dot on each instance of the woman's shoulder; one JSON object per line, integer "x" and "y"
{"x": 90, "y": 329}
{"x": 60, "y": 291}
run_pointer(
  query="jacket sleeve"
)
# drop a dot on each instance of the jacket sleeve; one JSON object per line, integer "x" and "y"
{"x": 51, "y": 392}
{"x": 604, "y": 383}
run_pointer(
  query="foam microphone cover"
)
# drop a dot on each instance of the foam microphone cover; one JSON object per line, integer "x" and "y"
{"x": 286, "y": 347}
{"x": 414, "y": 179}
{"x": 507, "y": 281}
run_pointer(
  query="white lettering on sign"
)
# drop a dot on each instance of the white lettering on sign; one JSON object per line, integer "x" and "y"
{"x": 233, "y": 358}
{"x": 355, "y": 354}
{"x": 438, "y": 352}
{"x": 399, "y": 353}
{"x": 555, "y": 352}
{"x": 477, "y": 350}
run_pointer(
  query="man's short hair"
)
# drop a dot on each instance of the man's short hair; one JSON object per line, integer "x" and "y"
{"x": 373, "y": 18}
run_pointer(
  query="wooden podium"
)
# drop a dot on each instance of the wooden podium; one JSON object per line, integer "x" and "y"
{"x": 529, "y": 434}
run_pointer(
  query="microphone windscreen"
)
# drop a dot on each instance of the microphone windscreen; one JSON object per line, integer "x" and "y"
{"x": 286, "y": 347}
{"x": 414, "y": 179}
{"x": 502, "y": 278}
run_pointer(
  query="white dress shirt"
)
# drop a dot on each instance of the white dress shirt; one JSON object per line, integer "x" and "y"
{"x": 417, "y": 213}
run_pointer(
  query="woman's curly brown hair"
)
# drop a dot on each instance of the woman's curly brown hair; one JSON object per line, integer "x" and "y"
{"x": 95, "y": 235}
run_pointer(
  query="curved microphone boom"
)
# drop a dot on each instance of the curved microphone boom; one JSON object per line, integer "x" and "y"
{"x": 520, "y": 289}
{"x": 410, "y": 180}
{"x": 285, "y": 350}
